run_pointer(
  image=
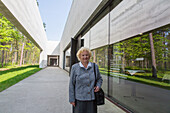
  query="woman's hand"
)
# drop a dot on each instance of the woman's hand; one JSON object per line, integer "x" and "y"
{"x": 96, "y": 89}
{"x": 73, "y": 103}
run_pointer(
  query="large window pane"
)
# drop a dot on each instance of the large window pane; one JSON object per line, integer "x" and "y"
{"x": 100, "y": 56}
{"x": 132, "y": 82}
{"x": 161, "y": 39}
{"x": 129, "y": 71}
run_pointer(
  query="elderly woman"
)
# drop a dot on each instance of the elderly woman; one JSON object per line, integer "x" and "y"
{"x": 82, "y": 81}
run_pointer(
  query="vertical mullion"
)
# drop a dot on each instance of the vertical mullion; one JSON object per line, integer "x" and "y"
{"x": 108, "y": 78}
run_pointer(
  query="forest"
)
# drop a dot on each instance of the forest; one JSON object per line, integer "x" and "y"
{"x": 15, "y": 48}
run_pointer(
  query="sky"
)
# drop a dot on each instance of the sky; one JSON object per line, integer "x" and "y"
{"x": 54, "y": 13}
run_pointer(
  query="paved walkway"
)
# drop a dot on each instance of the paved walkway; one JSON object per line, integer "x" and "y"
{"x": 43, "y": 92}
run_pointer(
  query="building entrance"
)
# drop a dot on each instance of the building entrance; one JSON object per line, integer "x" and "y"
{"x": 53, "y": 60}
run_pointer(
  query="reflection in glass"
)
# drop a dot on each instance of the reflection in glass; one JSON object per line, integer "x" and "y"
{"x": 161, "y": 40}
{"x": 132, "y": 82}
{"x": 99, "y": 56}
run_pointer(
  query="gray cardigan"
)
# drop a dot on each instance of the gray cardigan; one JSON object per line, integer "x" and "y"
{"x": 82, "y": 80}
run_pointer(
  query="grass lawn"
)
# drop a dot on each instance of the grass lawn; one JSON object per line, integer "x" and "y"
{"x": 8, "y": 67}
{"x": 142, "y": 79}
{"x": 14, "y": 75}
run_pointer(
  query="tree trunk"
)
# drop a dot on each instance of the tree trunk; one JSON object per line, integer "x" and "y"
{"x": 6, "y": 58}
{"x": 23, "y": 61}
{"x": 29, "y": 57}
{"x": 165, "y": 64}
{"x": 154, "y": 74}
{"x": 25, "y": 58}
{"x": 12, "y": 58}
{"x": 16, "y": 52}
{"x": 2, "y": 61}
{"x": 22, "y": 49}
{"x": 94, "y": 55}
{"x": 33, "y": 57}
{"x": 15, "y": 57}
{"x": 146, "y": 64}
{"x": 123, "y": 64}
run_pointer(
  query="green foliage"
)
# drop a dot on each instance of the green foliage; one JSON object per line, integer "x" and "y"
{"x": 11, "y": 41}
{"x": 5, "y": 33}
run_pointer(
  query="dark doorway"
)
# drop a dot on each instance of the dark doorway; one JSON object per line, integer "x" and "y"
{"x": 53, "y": 60}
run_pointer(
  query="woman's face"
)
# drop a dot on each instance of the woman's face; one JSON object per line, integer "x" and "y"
{"x": 84, "y": 57}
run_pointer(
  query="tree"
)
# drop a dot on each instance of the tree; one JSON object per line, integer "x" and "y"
{"x": 37, "y": 3}
{"x": 44, "y": 24}
{"x": 153, "y": 56}
{"x": 14, "y": 47}
{"x": 5, "y": 39}
{"x": 22, "y": 50}
{"x": 161, "y": 44}
{"x": 17, "y": 36}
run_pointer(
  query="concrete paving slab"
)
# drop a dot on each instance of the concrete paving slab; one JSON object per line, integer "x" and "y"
{"x": 44, "y": 92}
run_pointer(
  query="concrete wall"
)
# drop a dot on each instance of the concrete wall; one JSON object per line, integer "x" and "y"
{"x": 99, "y": 33}
{"x": 132, "y": 17}
{"x": 53, "y": 48}
{"x": 24, "y": 14}
{"x": 43, "y": 59}
{"x": 86, "y": 38}
{"x": 128, "y": 19}
{"x": 79, "y": 13}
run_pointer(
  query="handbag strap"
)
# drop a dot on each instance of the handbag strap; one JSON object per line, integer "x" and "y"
{"x": 94, "y": 73}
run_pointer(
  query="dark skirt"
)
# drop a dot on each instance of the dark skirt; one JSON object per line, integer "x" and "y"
{"x": 85, "y": 107}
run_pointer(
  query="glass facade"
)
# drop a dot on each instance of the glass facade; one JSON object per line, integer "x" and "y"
{"x": 67, "y": 59}
{"x": 162, "y": 52}
{"x": 136, "y": 73}
{"x": 100, "y": 57}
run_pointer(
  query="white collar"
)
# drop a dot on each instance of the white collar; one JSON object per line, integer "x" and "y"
{"x": 89, "y": 65}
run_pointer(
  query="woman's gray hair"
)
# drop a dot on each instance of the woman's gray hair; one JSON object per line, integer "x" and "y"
{"x": 82, "y": 49}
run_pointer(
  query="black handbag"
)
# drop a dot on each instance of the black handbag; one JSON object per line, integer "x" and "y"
{"x": 99, "y": 96}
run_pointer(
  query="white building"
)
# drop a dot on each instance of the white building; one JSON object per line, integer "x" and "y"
{"x": 118, "y": 32}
